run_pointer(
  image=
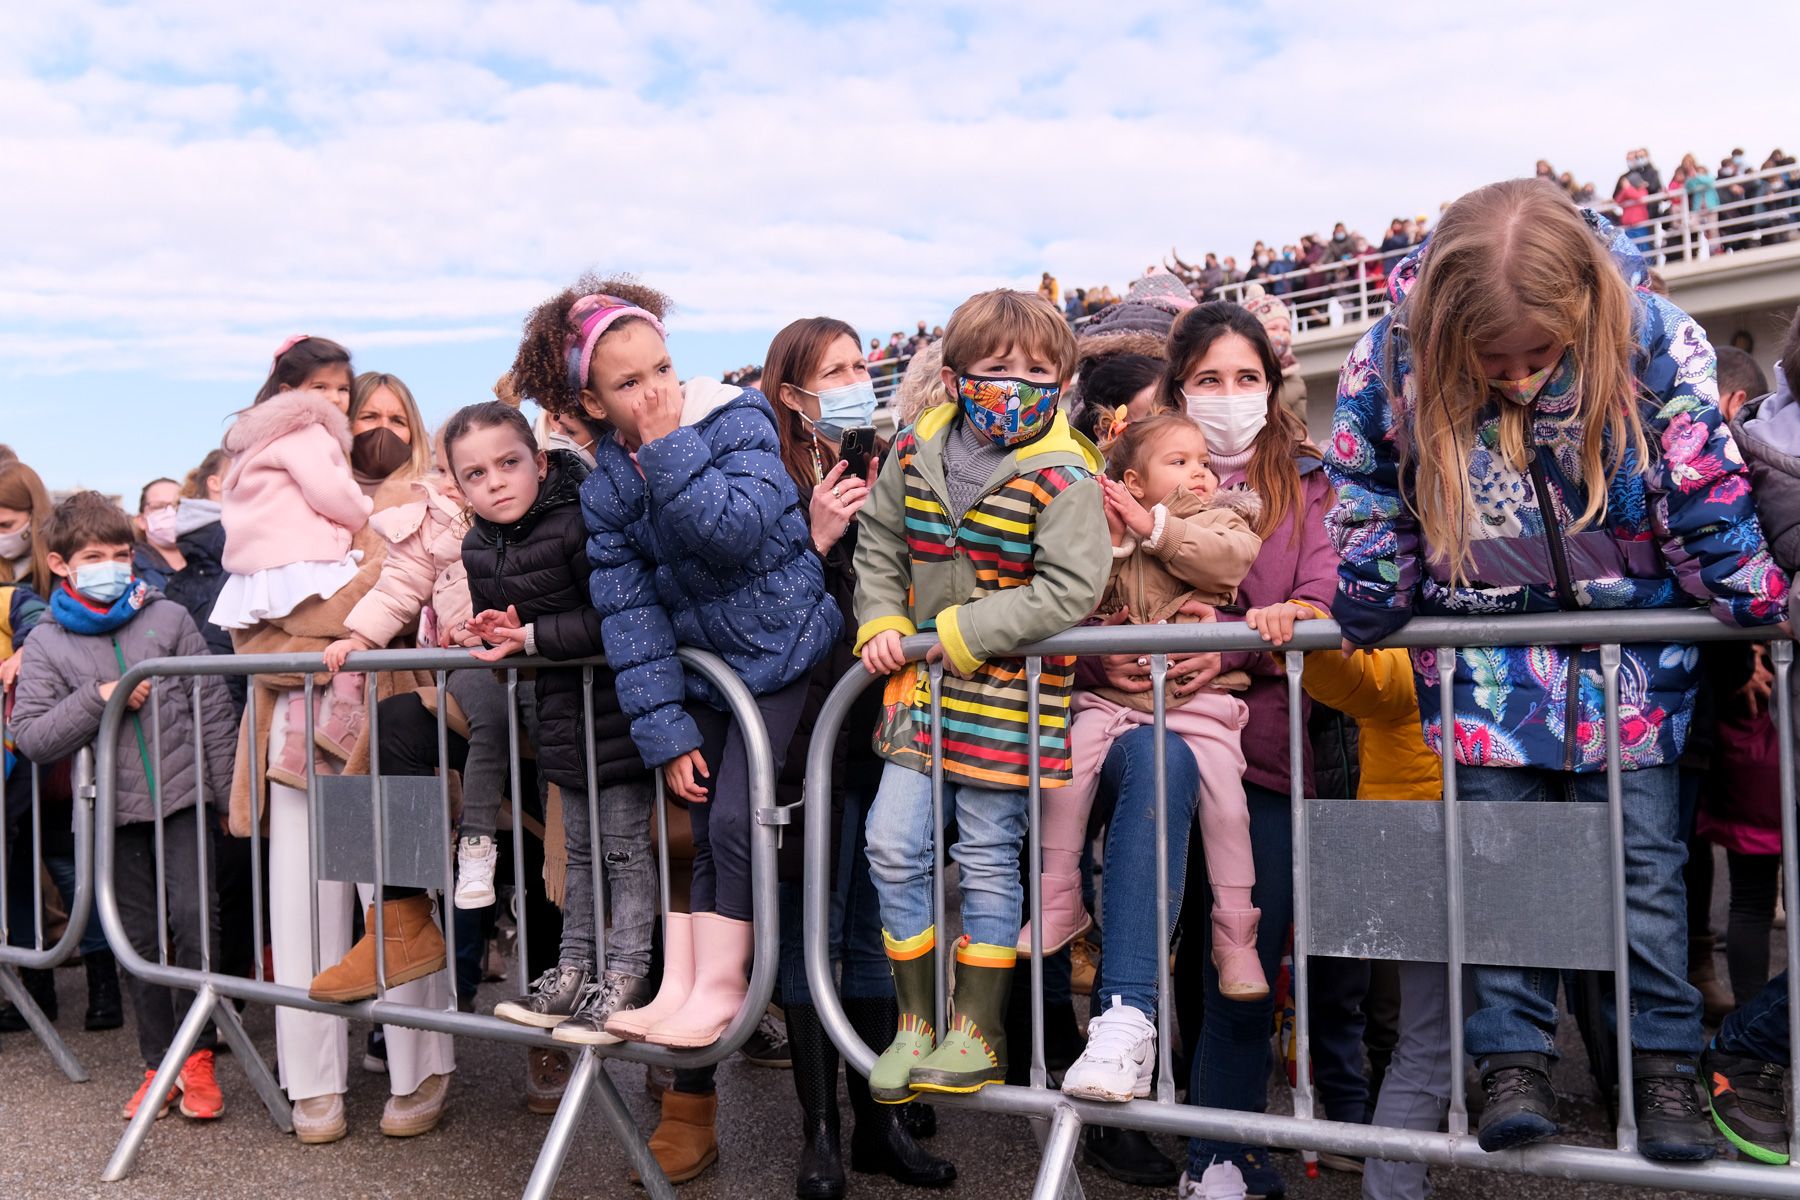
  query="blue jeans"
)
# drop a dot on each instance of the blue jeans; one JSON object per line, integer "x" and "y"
{"x": 855, "y": 938}
{"x": 1128, "y": 886}
{"x": 1759, "y": 1028}
{"x": 990, "y": 828}
{"x": 1517, "y": 1005}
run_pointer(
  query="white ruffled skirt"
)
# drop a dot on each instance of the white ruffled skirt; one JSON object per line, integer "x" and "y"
{"x": 274, "y": 592}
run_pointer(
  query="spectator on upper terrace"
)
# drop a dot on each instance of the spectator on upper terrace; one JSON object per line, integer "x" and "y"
{"x": 874, "y": 354}
{"x": 1230, "y": 274}
{"x": 1340, "y": 249}
{"x": 1397, "y": 238}
{"x": 1634, "y": 214}
{"x": 1073, "y": 306}
{"x": 1047, "y": 288}
{"x": 1545, "y": 170}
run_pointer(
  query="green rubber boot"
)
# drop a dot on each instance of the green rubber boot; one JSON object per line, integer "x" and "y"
{"x": 973, "y": 1052}
{"x": 913, "y": 963}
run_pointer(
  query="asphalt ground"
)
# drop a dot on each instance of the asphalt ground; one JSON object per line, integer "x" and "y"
{"x": 56, "y": 1136}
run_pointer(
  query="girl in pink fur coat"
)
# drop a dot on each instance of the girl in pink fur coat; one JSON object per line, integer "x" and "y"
{"x": 290, "y": 508}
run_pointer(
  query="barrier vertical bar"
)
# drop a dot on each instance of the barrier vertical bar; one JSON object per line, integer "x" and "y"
{"x": 940, "y": 999}
{"x": 378, "y": 830}
{"x": 1615, "y": 805}
{"x": 518, "y": 825}
{"x": 1302, "y": 825}
{"x": 1781, "y": 654}
{"x": 449, "y": 834}
{"x": 202, "y": 827}
{"x": 1165, "y": 990}
{"x": 1034, "y": 796}
{"x": 154, "y": 778}
{"x": 308, "y": 693}
{"x": 595, "y": 867}
{"x": 5, "y": 843}
{"x": 1455, "y": 931}
{"x": 37, "y": 857}
{"x": 257, "y": 780}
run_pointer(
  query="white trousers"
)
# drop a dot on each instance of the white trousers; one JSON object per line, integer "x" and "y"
{"x": 312, "y": 1048}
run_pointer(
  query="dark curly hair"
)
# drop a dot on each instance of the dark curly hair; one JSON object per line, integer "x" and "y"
{"x": 541, "y": 370}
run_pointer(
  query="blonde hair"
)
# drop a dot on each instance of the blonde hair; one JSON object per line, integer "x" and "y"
{"x": 21, "y": 489}
{"x": 1001, "y": 320}
{"x": 366, "y": 385}
{"x": 1504, "y": 254}
{"x": 922, "y": 386}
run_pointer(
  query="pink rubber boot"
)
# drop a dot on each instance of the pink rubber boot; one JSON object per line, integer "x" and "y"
{"x": 1234, "y": 954}
{"x": 677, "y": 981}
{"x": 1065, "y": 829}
{"x": 721, "y": 979}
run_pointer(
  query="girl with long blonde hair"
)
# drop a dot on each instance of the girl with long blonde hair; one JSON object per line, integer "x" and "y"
{"x": 1530, "y": 431}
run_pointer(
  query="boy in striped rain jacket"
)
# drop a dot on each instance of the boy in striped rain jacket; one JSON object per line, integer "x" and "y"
{"x": 986, "y": 527}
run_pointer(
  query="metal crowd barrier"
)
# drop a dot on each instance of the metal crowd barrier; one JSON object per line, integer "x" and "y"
{"x": 388, "y": 819}
{"x": 1501, "y": 930}
{"x": 38, "y": 956}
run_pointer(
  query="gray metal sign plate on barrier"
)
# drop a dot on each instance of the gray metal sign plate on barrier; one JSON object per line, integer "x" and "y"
{"x": 412, "y": 825}
{"x": 1529, "y": 870}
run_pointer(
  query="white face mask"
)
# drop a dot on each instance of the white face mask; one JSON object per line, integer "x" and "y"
{"x": 1230, "y": 423}
{"x": 15, "y": 545}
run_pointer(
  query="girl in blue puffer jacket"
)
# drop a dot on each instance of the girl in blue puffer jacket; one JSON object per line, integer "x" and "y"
{"x": 697, "y": 538}
{"x": 1529, "y": 432}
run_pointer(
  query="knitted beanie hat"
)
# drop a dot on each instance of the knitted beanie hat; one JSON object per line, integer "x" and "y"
{"x": 1264, "y": 307}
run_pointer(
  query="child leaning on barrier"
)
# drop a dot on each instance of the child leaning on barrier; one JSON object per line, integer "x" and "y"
{"x": 101, "y": 622}
{"x": 527, "y": 575}
{"x": 423, "y": 581}
{"x": 985, "y": 526}
{"x": 1528, "y": 433}
{"x": 290, "y": 508}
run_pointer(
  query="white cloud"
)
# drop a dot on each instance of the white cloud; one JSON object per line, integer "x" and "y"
{"x": 185, "y": 183}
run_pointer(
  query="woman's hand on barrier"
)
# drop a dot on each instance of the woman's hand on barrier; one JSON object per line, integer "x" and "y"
{"x": 502, "y": 632}
{"x": 882, "y": 654}
{"x": 1276, "y": 622}
{"x": 1761, "y": 687}
{"x": 1124, "y": 672}
{"x": 343, "y": 648}
{"x": 835, "y": 503}
{"x": 9, "y": 670}
{"x": 1123, "y": 507}
{"x": 683, "y": 775}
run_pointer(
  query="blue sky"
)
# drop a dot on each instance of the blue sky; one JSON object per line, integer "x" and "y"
{"x": 185, "y": 184}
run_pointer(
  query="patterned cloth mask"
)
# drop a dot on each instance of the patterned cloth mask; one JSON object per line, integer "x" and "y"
{"x": 1008, "y": 411}
{"x": 1525, "y": 391}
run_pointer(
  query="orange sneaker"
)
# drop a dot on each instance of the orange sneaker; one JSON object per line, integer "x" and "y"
{"x": 132, "y": 1105}
{"x": 201, "y": 1099}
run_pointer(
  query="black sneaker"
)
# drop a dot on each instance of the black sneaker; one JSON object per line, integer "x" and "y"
{"x": 1749, "y": 1103}
{"x": 550, "y": 1002}
{"x": 1672, "y": 1124}
{"x": 768, "y": 1045}
{"x": 1521, "y": 1108}
{"x": 1129, "y": 1156}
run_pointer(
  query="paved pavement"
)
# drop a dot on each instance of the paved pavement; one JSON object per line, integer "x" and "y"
{"x": 56, "y": 1136}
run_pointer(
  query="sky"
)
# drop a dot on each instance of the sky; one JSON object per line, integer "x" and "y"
{"x": 185, "y": 184}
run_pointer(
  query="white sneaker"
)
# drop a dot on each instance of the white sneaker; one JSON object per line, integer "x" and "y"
{"x": 1121, "y": 1051}
{"x": 475, "y": 862}
{"x": 1220, "y": 1181}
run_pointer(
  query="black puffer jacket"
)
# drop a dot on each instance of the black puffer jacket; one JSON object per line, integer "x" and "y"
{"x": 539, "y": 566}
{"x": 196, "y": 587}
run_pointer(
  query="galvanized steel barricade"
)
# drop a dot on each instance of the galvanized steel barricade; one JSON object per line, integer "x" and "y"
{"x": 588, "y": 1079}
{"x": 1495, "y": 928}
{"x": 37, "y": 956}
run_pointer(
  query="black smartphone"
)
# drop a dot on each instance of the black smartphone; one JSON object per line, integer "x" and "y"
{"x": 855, "y": 449}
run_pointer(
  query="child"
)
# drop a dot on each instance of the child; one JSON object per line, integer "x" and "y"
{"x": 1528, "y": 433}
{"x": 697, "y": 538}
{"x": 528, "y": 576}
{"x": 1196, "y": 543}
{"x": 290, "y": 508}
{"x": 101, "y": 622}
{"x": 1744, "y": 1070}
{"x": 986, "y": 526}
{"x": 423, "y": 580}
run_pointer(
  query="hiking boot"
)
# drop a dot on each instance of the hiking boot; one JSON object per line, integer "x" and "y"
{"x": 600, "y": 998}
{"x": 1120, "y": 1056}
{"x": 319, "y": 1120}
{"x": 476, "y": 858}
{"x": 1521, "y": 1108}
{"x": 546, "y": 1079}
{"x": 201, "y": 1099}
{"x": 915, "y": 989}
{"x": 973, "y": 1052}
{"x": 136, "y": 1102}
{"x": 1749, "y": 1103}
{"x": 1672, "y": 1125}
{"x": 768, "y": 1045}
{"x": 1129, "y": 1156}
{"x": 551, "y": 1000}
{"x": 414, "y": 949}
{"x": 417, "y": 1112}
{"x": 104, "y": 1008}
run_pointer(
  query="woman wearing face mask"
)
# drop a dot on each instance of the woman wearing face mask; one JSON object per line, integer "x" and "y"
{"x": 388, "y": 438}
{"x": 816, "y": 375}
{"x": 1221, "y": 368}
{"x": 156, "y": 558}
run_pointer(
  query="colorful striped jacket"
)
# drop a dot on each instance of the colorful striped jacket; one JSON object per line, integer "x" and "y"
{"x": 1029, "y": 559}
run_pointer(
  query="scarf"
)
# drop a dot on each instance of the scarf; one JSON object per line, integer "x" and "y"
{"x": 78, "y": 614}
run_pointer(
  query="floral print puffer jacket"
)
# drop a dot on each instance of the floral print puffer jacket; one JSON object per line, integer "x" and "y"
{"x": 1682, "y": 532}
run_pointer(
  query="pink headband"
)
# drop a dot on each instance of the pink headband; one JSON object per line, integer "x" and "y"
{"x": 592, "y": 316}
{"x": 290, "y": 344}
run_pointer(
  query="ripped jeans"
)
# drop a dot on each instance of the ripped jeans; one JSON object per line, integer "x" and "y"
{"x": 629, "y": 873}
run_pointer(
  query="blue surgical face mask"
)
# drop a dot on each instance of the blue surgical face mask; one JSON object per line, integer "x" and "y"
{"x": 842, "y": 408}
{"x": 103, "y": 582}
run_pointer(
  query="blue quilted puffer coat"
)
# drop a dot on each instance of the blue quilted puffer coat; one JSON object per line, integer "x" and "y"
{"x": 1682, "y": 531}
{"x": 701, "y": 542}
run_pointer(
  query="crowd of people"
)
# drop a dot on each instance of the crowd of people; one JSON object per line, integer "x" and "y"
{"x": 1584, "y": 448}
